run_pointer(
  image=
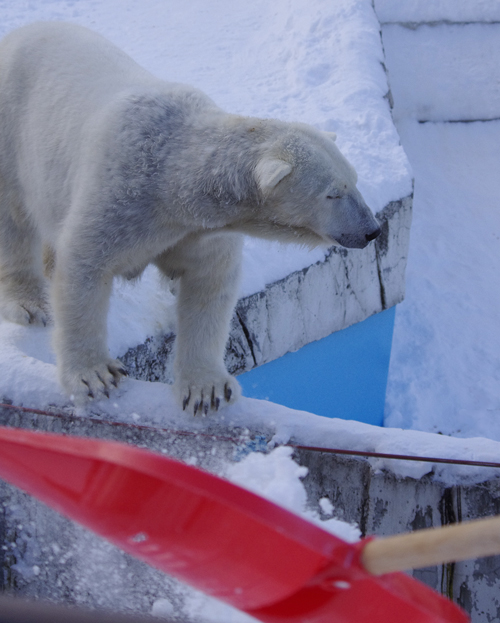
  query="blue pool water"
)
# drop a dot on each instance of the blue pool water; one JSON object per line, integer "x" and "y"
{"x": 343, "y": 375}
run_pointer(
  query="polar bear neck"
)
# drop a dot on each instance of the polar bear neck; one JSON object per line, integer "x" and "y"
{"x": 227, "y": 158}
{"x": 185, "y": 151}
{"x": 208, "y": 160}
{"x": 230, "y": 152}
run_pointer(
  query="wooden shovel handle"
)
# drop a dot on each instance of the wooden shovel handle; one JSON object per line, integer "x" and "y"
{"x": 433, "y": 546}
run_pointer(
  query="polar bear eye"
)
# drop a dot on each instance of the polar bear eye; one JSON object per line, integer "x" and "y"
{"x": 332, "y": 197}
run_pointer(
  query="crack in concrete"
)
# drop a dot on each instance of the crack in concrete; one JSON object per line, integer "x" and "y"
{"x": 246, "y": 333}
{"x": 458, "y": 120}
{"x": 449, "y": 515}
{"x": 365, "y": 504}
{"x": 383, "y": 298}
{"x": 433, "y": 24}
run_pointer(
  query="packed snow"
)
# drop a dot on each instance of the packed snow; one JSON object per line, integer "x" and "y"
{"x": 437, "y": 11}
{"x": 449, "y": 64}
{"x": 445, "y": 369}
{"x": 277, "y": 477}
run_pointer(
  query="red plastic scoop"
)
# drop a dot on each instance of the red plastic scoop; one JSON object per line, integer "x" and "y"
{"x": 215, "y": 536}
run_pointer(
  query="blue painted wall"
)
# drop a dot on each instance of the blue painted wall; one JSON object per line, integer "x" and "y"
{"x": 343, "y": 375}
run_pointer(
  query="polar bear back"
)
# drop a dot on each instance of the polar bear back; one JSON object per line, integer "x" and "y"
{"x": 62, "y": 93}
{"x": 46, "y": 54}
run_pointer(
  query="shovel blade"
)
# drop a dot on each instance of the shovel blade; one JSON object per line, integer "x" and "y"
{"x": 215, "y": 536}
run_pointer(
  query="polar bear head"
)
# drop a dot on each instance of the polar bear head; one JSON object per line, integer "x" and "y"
{"x": 308, "y": 190}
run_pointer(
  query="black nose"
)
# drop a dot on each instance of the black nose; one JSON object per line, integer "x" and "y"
{"x": 373, "y": 235}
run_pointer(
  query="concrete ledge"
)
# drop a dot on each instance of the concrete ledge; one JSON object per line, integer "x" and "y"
{"x": 383, "y": 504}
{"x": 345, "y": 288}
{"x": 46, "y": 556}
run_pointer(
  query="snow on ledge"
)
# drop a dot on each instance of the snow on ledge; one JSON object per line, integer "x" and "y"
{"x": 418, "y": 11}
{"x": 28, "y": 378}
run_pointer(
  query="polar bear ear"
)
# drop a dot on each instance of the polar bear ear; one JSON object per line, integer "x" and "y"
{"x": 270, "y": 171}
{"x": 331, "y": 135}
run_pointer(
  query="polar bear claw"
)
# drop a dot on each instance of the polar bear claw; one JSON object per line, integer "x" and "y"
{"x": 206, "y": 397}
{"x": 26, "y": 312}
{"x": 93, "y": 383}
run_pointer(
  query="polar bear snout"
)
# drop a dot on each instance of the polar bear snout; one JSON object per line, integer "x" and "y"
{"x": 352, "y": 223}
{"x": 358, "y": 241}
{"x": 353, "y": 241}
{"x": 373, "y": 235}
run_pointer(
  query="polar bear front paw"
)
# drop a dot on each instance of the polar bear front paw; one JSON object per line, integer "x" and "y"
{"x": 93, "y": 383}
{"x": 26, "y": 312}
{"x": 201, "y": 396}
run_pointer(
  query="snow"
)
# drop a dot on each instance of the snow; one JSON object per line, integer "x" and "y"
{"x": 445, "y": 371}
{"x": 276, "y": 477}
{"x": 437, "y": 11}
{"x": 162, "y": 608}
{"x": 138, "y": 310}
{"x": 449, "y": 65}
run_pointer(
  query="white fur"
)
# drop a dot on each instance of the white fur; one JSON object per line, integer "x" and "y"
{"x": 109, "y": 169}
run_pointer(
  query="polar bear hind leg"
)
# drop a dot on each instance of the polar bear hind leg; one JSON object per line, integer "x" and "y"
{"x": 22, "y": 288}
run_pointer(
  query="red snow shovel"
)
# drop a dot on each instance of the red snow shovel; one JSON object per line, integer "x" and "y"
{"x": 230, "y": 543}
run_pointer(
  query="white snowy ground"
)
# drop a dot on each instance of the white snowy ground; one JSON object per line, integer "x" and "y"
{"x": 445, "y": 363}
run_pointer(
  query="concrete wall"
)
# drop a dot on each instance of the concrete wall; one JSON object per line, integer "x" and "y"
{"x": 46, "y": 556}
{"x": 384, "y": 504}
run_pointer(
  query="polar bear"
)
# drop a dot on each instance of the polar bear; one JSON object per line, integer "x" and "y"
{"x": 105, "y": 169}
